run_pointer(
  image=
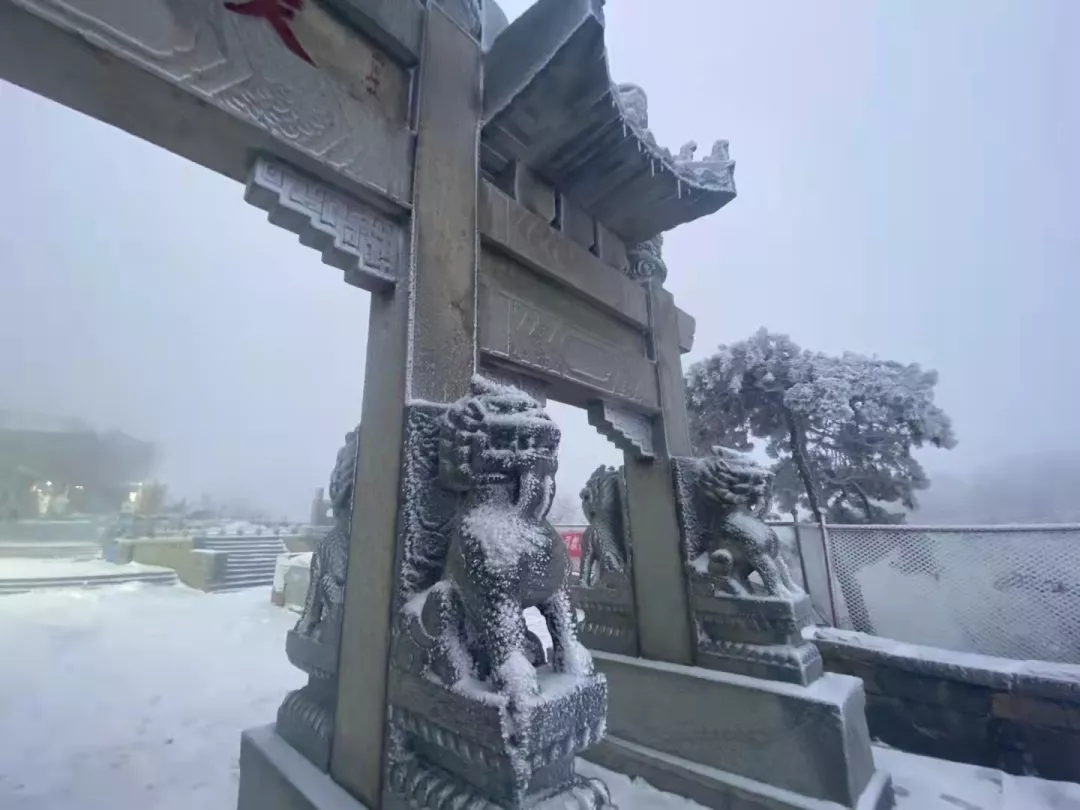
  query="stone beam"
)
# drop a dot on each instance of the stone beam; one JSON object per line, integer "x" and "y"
{"x": 532, "y": 241}
{"x": 210, "y": 86}
{"x": 548, "y": 332}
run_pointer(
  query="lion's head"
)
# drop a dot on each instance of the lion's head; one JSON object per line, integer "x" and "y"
{"x": 598, "y": 491}
{"x": 499, "y": 437}
{"x": 732, "y": 481}
{"x": 341, "y": 479}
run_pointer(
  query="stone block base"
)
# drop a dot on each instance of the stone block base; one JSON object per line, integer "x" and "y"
{"x": 274, "y": 776}
{"x": 738, "y": 743}
{"x": 720, "y": 789}
{"x": 479, "y": 750}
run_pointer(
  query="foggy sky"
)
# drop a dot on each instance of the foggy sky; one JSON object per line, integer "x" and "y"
{"x": 906, "y": 174}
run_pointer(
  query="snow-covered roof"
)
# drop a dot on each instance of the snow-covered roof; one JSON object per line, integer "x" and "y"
{"x": 550, "y": 103}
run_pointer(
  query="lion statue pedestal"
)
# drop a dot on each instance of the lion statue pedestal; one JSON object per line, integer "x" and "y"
{"x": 749, "y": 612}
{"x": 754, "y": 722}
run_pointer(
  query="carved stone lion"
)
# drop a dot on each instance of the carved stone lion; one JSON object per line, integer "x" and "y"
{"x": 498, "y": 448}
{"x": 735, "y": 493}
{"x": 603, "y": 545}
{"x": 321, "y": 617}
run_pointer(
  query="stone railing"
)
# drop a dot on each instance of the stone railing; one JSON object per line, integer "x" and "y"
{"x": 1022, "y": 717}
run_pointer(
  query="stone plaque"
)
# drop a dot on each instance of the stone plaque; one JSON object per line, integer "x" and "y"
{"x": 554, "y": 335}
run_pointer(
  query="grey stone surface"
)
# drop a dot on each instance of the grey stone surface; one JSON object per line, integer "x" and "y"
{"x": 1020, "y": 716}
{"x": 811, "y": 741}
{"x": 394, "y": 25}
{"x": 421, "y": 345}
{"x": 274, "y": 776}
{"x": 665, "y": 631}
{"x": 629, "y": 430}
{"x": 711, "y": 787}
{"x": 229, "y": 90}
{"x": 477, "y": 709}
{"x": 306, "y": 717}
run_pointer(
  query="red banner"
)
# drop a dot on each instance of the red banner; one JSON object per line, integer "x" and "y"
{"x": 573, "y": 543}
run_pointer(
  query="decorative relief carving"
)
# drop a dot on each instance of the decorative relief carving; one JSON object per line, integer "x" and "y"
{"x": 539, "y": 339}
{"x": 747, "y": 608}
{"x": 240, "y": 65}
{"x": 350, "y": 235}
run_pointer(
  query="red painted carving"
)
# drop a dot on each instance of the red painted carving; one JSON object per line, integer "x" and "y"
{"x": 280, "y": 14}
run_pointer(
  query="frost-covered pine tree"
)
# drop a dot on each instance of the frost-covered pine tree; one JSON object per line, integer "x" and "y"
{"x": 840, "y": 430}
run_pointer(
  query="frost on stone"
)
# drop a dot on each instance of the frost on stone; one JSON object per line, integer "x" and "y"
{"x": 478, "y": 549}
{"x": 605, "y": 554}
{"x": 723, "y": 499}
{"x": 713, "y": 171}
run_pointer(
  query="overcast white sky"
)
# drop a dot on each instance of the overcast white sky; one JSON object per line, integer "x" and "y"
{"x": 906, "y": 176}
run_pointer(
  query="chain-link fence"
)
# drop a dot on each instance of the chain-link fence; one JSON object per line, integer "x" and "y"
{"x": 1009, "y": 591}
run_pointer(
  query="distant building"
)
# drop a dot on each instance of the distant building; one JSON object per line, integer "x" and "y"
{"x": 53, "y": 466}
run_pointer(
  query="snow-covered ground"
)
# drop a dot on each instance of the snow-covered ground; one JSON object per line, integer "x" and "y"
{"x": 133, "y": 698}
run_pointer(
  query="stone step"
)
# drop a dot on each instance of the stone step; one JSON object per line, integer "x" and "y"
{"x": 268, "y": 562}
{"x": 253, "y": 568}
{"x": 243, "y": 546}
{"x": 22, "y": 585}
{"x": 238, "y": 582}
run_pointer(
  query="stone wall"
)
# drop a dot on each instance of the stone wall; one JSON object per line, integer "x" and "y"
{"x": 197, "y": 568}
{"x": 1020, "y": 716}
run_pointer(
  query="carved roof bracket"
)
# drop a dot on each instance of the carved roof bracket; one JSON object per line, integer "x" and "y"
{"x": 627, "y": 429}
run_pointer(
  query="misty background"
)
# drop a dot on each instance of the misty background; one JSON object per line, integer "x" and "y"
{"x": 906, "y": 176}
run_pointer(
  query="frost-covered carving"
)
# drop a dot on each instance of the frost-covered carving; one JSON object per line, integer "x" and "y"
{"x": 500, "y": 451}
{"x": 321, "y": 617}
{"x": 306, "y": 716}
{"x": 604, "y": 593}
{"x": 748, "y": 611}
{"x": 713, "y": 170}
{"x": 603, "y": 545}
{"x": 479, "y": 715}
{"x": 645, "y": 260}
{"x": 739, "y": 543}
